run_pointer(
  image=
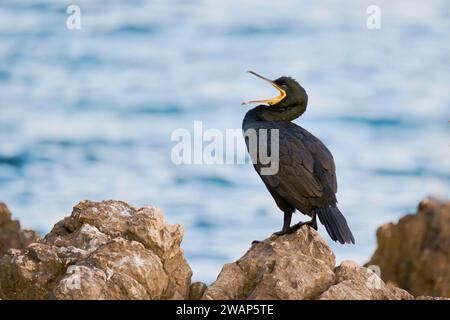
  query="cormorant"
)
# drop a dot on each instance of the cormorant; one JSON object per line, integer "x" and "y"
{"x": 306, "y": 178}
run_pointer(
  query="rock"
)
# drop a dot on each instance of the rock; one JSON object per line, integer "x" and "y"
{"x": 358, "y": 283}
{"x": 111, "y": 250}
{"x": 298, "y": 266}
{"x": 197, "y": 290}
{"x": 11, "y": 235}
{"x": 294, "y": 266}
{"x": 103, "y": 250}
{"x": 415, "y": 253}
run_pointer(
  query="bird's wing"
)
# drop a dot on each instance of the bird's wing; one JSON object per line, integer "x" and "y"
{"x": 324, "y": 159}
{"x": 306, "y": 167}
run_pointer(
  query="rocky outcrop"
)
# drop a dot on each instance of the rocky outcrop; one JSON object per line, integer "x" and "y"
{"x": 297, "y": 266}
{"x": 294, "y": 266}
{"x": 358, "y": 283}
{"x": 415, "y": 253}
{"x": 11, "y": 235}
{"x": 111, "y": 250}
{"x": 103, "y": 250}
{"x": 197, "y": 290}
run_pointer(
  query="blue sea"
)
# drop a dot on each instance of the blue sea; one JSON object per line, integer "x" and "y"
{"x": 88, "y": 113}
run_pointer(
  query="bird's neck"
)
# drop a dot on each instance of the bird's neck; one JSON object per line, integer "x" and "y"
{"x": 274, "y": 113}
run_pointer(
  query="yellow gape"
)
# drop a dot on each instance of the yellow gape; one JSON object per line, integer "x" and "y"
{"x": 272, "y": 101}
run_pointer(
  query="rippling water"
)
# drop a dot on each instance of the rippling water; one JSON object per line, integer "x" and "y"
{"x": 88, "y": 114}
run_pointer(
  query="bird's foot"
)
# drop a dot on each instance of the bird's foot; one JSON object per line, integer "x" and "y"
{"x": 286, "y": 231}
{"x": 290, "y": 229}
{"x": 279, "y": 233}
{"x": 311, "y": 223}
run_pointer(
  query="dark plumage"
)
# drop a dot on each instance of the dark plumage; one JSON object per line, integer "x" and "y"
{"x": 306, "y": 178}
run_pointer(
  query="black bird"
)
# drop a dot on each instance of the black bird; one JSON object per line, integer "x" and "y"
{"x": 306, "y": 178}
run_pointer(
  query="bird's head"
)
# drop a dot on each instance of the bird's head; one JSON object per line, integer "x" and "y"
{"x": 291, "y": 93}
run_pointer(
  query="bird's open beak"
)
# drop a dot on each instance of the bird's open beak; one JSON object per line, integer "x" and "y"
{"x": 272, "y": 101}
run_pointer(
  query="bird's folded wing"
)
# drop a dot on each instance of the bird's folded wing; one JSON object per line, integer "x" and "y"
{"x": 301, "y": 159}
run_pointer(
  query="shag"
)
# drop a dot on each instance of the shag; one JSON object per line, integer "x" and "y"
{"x": 306, "y": 176}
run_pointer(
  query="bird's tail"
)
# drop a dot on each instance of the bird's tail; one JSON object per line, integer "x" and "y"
{"x": 336, "y": 225}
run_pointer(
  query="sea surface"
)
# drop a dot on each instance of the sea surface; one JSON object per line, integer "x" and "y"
{"x": 89, "y": 113}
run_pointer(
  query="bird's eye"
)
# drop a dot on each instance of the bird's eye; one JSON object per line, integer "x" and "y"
{"x": 284, "y": 87}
